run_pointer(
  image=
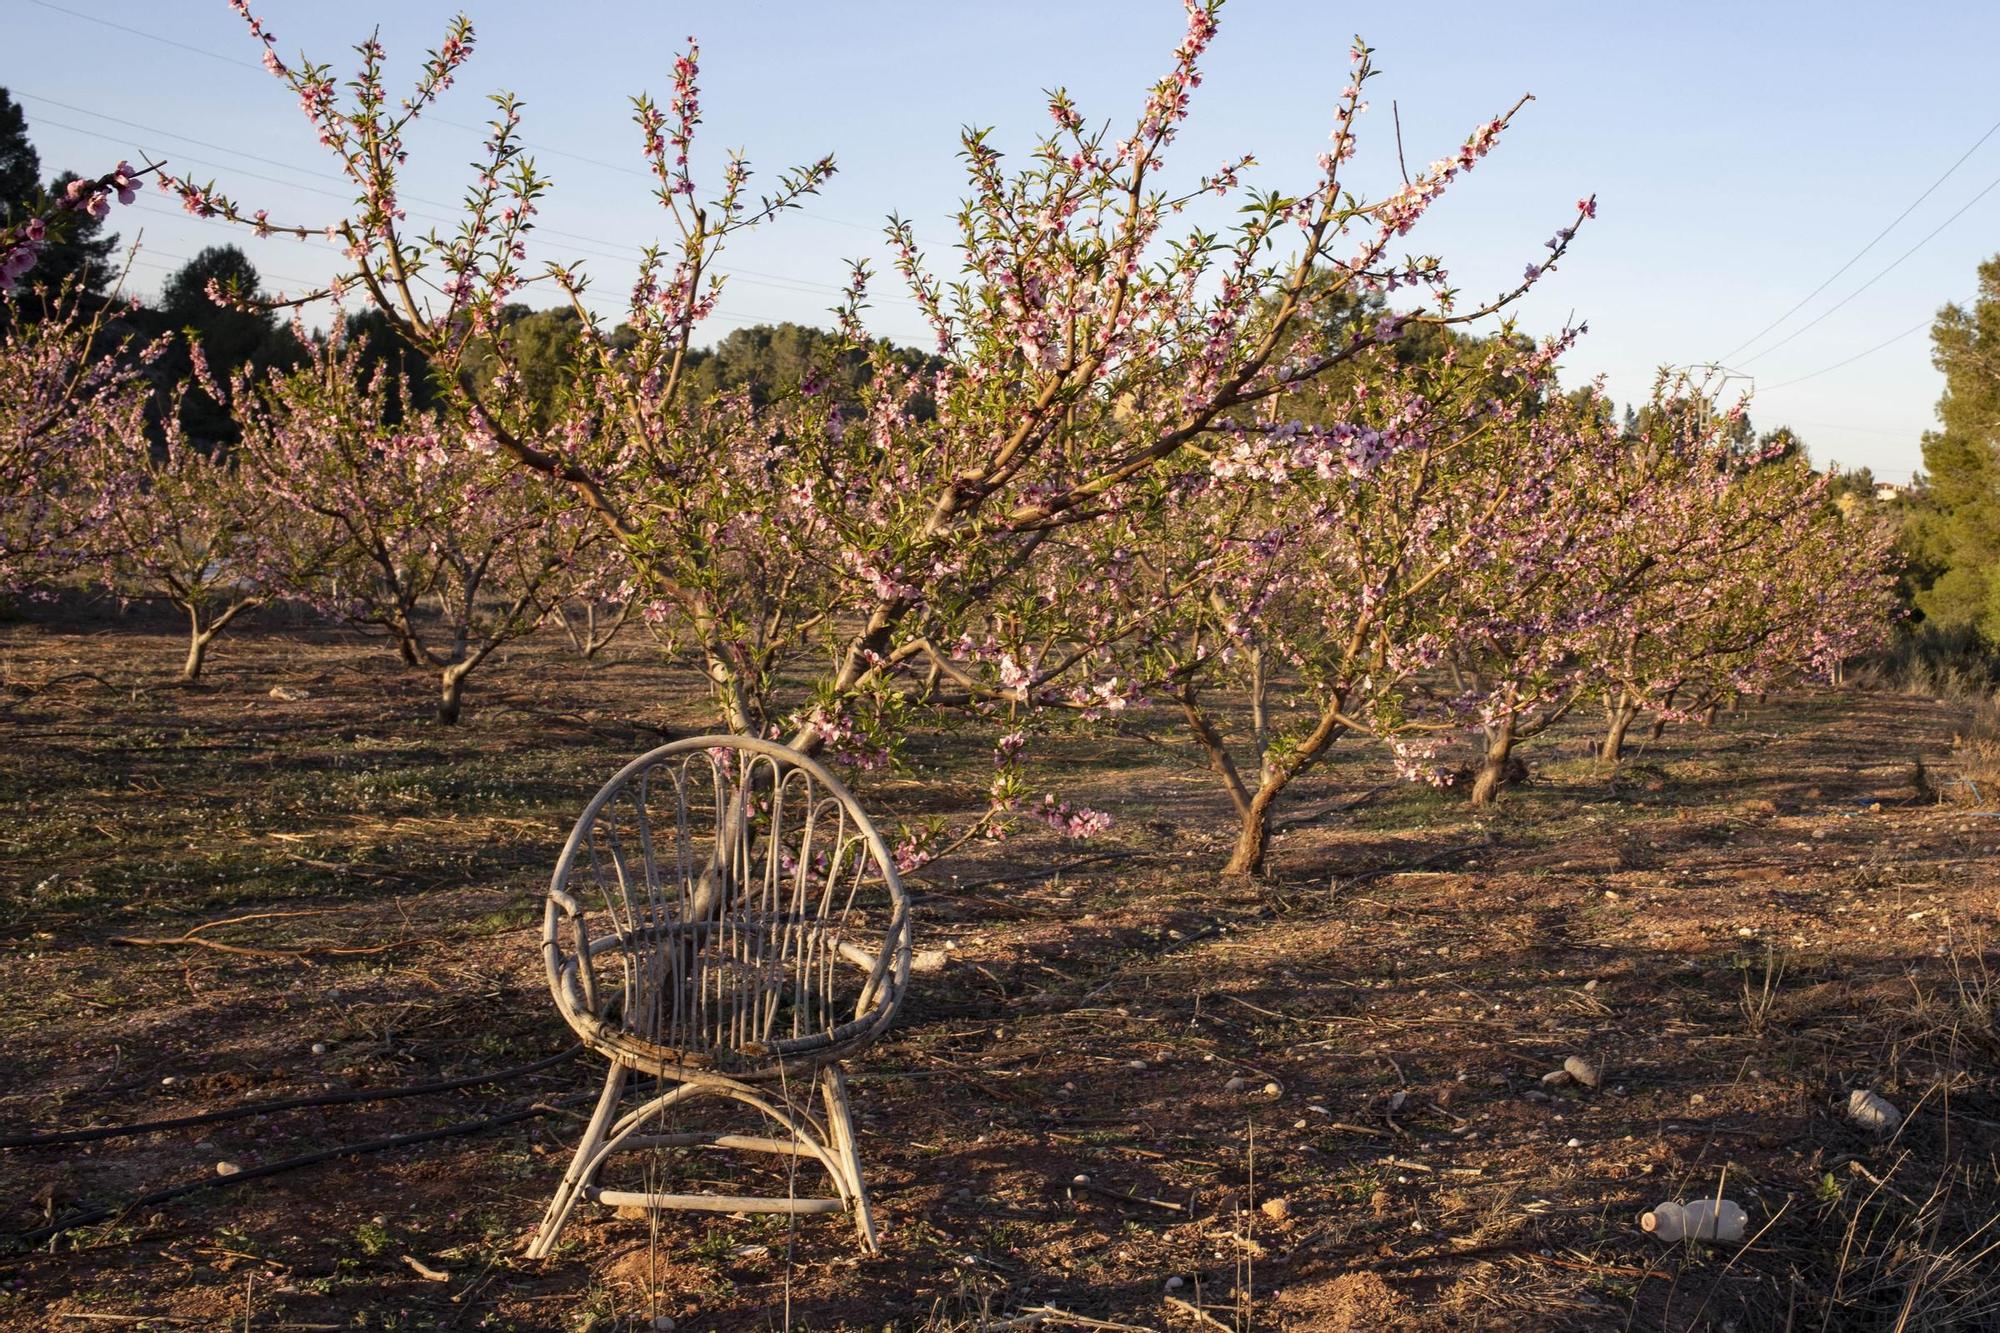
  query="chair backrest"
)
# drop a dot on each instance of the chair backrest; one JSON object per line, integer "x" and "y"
{"x": 724, "y": 904}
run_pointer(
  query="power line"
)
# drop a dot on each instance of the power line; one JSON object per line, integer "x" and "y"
{"x": 169, "y": 134}
{"x": 1856, "y": 257}
{"x": 1895, "y": 264}
{"x": 725, "y": 314}
{"x": 753, "y": 277}
{"x": 619, "y": 167}
{"x": 149, "y": 258}
{"x": 584, "y": 244}
{"x": 1847, "y": 426}
{"x": 432, "y": 117}
{"x": 1825, "y": 370}
{"x": 151, "y": 36}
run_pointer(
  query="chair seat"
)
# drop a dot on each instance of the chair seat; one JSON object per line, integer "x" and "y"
{"x": 733, "y": 996}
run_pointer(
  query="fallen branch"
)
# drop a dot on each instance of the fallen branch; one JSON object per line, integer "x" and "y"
{"x": 93, "y": 1317}
{"x": 1346, "y": 1128}
{"x": 1608, "y": 1270}
{"x": 989, "y": 904}
{"x": 27, "y": 691}
{"x": 1201, "y": 1316}
{"x": 424, "y": 1270}
{"x": 1044, "y": 872}
{"x": 1044, "y": 1312}
{"x": 193, "y": 936}
{"x": 1090, "y": 1188}
{"x": 245, "y": 951}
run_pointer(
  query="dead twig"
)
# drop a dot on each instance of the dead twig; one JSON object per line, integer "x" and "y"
{"x": 91, "y": 1216}
{"x": 1102, "y": 1192}
{"x": 1042, "y": 872}
{"x": 424, "y": 1270}
{"x": 305, "y": 954}
{"x": 1346, "y": 1128}
{"x": 1043, "y": 1312}
{"x": 193, "y": 936}
{"x": 1337, "y": 808}
{"x": 1201, "y": 1316}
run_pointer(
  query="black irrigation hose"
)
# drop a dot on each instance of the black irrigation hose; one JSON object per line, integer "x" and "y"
{"x": 463, "y": 1127}
{"x": 55, "y": 1136}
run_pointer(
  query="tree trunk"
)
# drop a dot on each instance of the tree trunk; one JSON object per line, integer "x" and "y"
{"x": 451, "y": 691}
{"x": 739, "y": 710}
{"x": 1253, "y": 837}
{"x": 1493, "y": 768}
{"x": 200, "y": 635}
{"x": 1613, "y": 749}
{"x": 1660, "y": 718}
{"x": 1708, "y": 713}
{"x": 1260, "y": 716}
{"x": 198, "y": 642}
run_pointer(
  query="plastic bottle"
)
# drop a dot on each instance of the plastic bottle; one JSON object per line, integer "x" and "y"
{"x": 1703, "y": 1219}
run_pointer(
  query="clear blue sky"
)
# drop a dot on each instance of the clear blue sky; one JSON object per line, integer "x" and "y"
{"x": 1741, "y": 152}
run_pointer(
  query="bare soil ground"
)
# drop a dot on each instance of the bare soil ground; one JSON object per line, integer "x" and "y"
{"x": 1136, "y": 1096}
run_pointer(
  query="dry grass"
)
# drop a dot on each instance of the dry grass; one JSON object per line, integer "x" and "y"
{"x": 1977, "y": 753}
{"x": 1962, "y": 668}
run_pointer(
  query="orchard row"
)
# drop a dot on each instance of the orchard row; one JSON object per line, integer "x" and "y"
{"x": 1277, "y": 482}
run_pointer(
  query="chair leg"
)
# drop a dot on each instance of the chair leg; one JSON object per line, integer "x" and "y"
{"x": 608, "y": 1133}
{"x": 578, "y": 1175}
{"x": 842, "y": 1148}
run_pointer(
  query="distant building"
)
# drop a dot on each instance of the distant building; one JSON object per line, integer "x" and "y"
{"x": 1889, "y": 490}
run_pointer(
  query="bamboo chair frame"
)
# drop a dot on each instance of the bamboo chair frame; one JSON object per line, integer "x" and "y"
{"x": 725, "y": 918}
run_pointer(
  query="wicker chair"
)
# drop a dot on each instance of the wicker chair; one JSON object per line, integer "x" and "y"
{"x": 725, "y": 919}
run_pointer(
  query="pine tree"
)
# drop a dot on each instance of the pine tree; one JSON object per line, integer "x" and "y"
{"x": 79, "y": 248}
{"x": 1959, "y": 528}
{"x": 20, "y": 165}
{"x": 230, "y": 338}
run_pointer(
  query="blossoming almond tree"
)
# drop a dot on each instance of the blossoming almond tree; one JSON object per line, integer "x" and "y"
{"x": 67, "y": 383}
{"x": 188, "y": 526}
{"x": 447, "y": 553}
{"x": 64, "y": 395}
{"x": 1334, "y": 557}
{"x": 1754, "y": 577}
{"x": 654, "y": 469}
{"x": 602, "y": 599}
{"x": 1073, "y": 298}
{"x": 1093, "y": 363}
{"x": 1694, "y": 569}
{"x": 823, "y": 562}
{"x": 1673, "y": 545}
{"x": 1521, "y": 661}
